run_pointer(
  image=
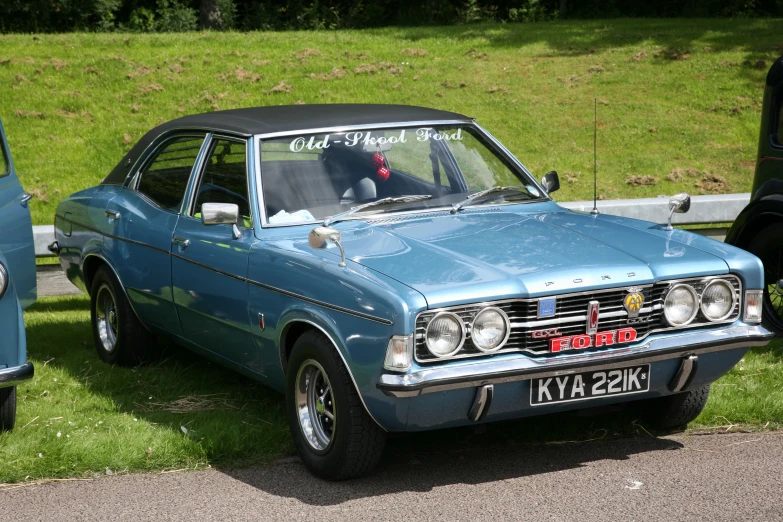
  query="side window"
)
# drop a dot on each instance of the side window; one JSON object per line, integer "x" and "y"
{"x": 165, "y": 177}
{"x": 780, "y": 118}
{"x": 4, "y": 169}
{"x": 224, "y": 179}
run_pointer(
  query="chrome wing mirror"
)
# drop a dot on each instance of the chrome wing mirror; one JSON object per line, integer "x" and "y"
{"x": 221, "y": 214}
{"x": 319, "y": 236}
{"x": 679, "y": 203}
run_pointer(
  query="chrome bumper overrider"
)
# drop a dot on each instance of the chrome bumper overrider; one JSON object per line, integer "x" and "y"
{"x": 16, "y": 375}
{"x": 521, "y": 368}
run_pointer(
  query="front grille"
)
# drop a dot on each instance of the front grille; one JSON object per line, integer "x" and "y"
{"x": 571, "y": 318}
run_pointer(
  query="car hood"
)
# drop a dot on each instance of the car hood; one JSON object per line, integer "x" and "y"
{"x": 501, "y": 253}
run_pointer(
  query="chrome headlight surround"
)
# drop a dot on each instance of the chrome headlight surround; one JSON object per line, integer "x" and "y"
{"x": 3, "y": 279}
{"x": 506, "y": 324}
{"x": 457, "y": 346}
{"x": 693, "y": 293}
{"x": 730, "y": 288}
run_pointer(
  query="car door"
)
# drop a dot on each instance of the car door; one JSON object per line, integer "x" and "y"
{"x": 142, "y": 219}
{"x": 209, "y": 264}
{"x": 16, "y": 239}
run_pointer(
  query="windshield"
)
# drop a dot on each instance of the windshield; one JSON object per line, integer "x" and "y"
{"x": 309, "y": 177}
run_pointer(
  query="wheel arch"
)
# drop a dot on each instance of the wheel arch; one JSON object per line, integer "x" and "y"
{"x": 752, "y": 220}
{"x": 91, "y": 263}
{"x": 294, "y": 325}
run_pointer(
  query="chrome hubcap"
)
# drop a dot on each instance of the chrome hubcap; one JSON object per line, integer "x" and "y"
{"x": 315, "y": 406}
{"x": 106, "y": 318}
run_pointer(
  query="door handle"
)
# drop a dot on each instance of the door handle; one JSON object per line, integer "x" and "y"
{"x": 181, "y": 241}
{"x": 113, "y": 214}
{"x": 25, "y": 198}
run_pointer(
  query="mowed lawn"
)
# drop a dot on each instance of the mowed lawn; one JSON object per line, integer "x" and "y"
{"x": 679, "y": 106}
{"x": 678, "y": 100}
{"x": 81, "y": 418}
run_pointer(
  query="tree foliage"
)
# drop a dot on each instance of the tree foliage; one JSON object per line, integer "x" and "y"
{"x": 186, "y": 15}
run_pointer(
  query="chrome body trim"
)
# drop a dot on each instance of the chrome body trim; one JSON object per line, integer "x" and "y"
{"x": 460, "y": 322}
{"x": 473, "y": 322}
{"x": 16, "y": 375}
{"x": 544, "y": 323}
{"x": 285, "y": 327}
{"x": 519, "y": 367}
{"x": 684, "y": 373}
{"x": 481, "y": 403}
{"x": 337, "y": 308}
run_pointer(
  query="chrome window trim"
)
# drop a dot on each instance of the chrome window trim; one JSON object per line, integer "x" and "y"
{"x": 135, "y": 175}
{"x": 492, "y": 141}
{"x": 532, "y": 324}
{"x": 188, "y": 210}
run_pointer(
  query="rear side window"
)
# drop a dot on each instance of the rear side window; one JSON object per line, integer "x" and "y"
{"x": 225, "y": 179}
{"x": 780, "y": 119}
{"x": 165, "y": 178}
{"x": 4, "y": 169}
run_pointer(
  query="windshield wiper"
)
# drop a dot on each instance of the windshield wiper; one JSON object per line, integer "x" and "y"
{"x": 381, "y": 202}
{"x": 481, "y": 193}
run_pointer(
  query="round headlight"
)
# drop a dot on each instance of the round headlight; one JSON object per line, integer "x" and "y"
{"x": 680, "y": 305}
{"x": 3, "y": 279}
{"x": 489, "y": 330}
{"x": 717, "y": 300}
{"x": 445, "y": 334}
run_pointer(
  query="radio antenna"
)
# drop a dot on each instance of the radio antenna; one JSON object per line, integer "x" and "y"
{"x": 595, "y": 157}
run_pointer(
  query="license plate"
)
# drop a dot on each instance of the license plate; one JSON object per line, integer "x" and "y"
{"x": 590, "y": 385}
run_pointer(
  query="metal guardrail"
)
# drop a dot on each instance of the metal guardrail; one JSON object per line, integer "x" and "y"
{"x": 722, "y": 208}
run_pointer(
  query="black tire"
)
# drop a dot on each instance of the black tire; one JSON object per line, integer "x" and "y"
{"x": 119, "y": 336}
{"x": 767, "y": 245}
{"x": 7, "y": 408}
{"x": 675, "y": 411}
{"x": 356, "y": 442}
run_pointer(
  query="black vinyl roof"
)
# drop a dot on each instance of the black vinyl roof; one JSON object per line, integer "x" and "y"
{"x": 282, "y": 118}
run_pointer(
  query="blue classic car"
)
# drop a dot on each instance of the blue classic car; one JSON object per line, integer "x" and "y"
{"x": 17, "y": 284}
{"x": 395, "y": 268}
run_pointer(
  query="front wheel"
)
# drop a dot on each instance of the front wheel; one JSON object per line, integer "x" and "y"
{"x": 7, "y": 408}
{"x": 334, "y": 435}
{"x": 677, "y": 410}
{"x": 767, "y": 245}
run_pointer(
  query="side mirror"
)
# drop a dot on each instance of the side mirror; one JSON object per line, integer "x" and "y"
{"x": 679, "y": 203}
{"x": 221, "y": 214}
{"x": 551, "y": 181}
{"x": 320, "y": 235}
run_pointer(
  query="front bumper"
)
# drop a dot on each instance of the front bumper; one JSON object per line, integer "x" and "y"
{"x": 16, "y": 375}
{"x": 521, "y": 368}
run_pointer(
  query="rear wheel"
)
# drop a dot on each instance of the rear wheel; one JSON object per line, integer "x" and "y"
{"x": 767, "y": 245}
{"x": 7, "y": 408}
{"x": 675, "y": 411}
{"x": 119, "y": 336}
{"x": 334, "y": 435}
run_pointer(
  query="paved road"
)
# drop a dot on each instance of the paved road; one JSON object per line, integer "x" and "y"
{"x": 706, "y": 477}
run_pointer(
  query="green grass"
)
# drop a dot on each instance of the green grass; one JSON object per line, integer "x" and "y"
{"x": 679, "y": 100}
{"x": 80, "y": 417}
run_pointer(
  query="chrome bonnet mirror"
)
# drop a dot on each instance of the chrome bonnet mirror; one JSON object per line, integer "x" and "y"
{"x": 221, "y": 214}
{"x": 319, "y": 236}
{"x": 679, "y": 203}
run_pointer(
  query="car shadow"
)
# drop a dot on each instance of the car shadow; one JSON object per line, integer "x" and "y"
{"x": 422, "y": 462}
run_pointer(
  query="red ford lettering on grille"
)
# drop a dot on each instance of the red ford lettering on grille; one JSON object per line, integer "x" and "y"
{"x": 583, "y": 341}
